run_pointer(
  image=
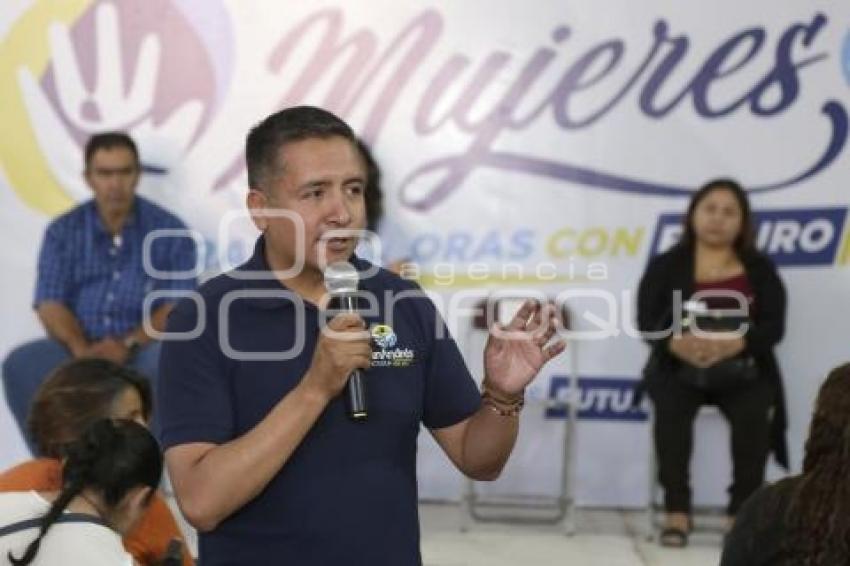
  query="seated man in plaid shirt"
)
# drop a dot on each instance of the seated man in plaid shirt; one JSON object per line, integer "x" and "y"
{"x": 92, "y": 281}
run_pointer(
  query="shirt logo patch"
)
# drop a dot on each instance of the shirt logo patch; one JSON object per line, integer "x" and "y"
{"x": 384, "y": 336}
{"x": 387, "y": 354}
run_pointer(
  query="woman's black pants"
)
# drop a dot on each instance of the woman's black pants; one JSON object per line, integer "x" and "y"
{"x": 747, "y": 408}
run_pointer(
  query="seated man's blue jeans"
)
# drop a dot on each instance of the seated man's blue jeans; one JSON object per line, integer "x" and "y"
{"x": 27, "y": 366}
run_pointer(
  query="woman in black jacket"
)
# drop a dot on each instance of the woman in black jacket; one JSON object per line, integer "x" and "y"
{"x": 735, "y": 371}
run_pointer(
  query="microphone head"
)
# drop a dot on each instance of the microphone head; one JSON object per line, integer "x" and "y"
{"x": 341, "y": 278}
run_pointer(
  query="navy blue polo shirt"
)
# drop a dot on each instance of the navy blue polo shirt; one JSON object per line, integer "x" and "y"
{"x": 348, "y": 494}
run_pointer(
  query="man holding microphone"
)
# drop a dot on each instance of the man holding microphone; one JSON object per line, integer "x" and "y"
{"x": 265, "y": 456}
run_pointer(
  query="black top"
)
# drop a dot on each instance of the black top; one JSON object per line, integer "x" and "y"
{"x": 674, "y": 270}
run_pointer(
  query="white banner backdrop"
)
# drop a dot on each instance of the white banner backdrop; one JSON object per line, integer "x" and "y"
{"x": 529, "y": 147}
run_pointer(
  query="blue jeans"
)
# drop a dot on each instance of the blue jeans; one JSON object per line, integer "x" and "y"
{"x": 27, "y": 366}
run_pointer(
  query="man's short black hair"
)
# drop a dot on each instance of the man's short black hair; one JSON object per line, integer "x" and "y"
{"x": 289, "y": 125}
{"x": 109, "y": 140}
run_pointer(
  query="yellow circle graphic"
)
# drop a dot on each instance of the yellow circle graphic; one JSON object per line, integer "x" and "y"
{"x": 21, "y": 159}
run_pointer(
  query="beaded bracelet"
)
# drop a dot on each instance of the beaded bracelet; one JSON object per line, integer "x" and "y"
{"x": 502, "y": 406}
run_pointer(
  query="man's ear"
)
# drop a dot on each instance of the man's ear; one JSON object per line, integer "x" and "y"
{"x": 257, "y": 201}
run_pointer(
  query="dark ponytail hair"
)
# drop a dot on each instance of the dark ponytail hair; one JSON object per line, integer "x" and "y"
{"x": 110, "y": 458}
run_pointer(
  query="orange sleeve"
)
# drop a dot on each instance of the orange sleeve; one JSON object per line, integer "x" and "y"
{"x": 43, "y": 474}
{"x": 148, "y": 541}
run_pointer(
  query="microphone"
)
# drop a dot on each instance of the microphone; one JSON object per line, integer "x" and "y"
{"x": 341, "y": 280}
{"x": 173, "y": 554}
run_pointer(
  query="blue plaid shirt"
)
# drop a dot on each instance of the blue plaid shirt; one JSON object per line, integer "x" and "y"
{"x": 102, "y": 279}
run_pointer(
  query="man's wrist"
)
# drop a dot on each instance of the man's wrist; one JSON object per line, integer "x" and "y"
{"x": 77, "y": 347}
{"x": 504, "y": 404}
{"x": 312, "y": 391}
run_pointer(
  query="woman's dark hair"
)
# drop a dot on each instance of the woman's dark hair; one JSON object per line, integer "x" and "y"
{"x": 111, "y": 458}
{"x": 373, "y": 196}
{"x": 77, "y": 394}
{"x": 744, "y": 241}
{"x": 818, "y": 517}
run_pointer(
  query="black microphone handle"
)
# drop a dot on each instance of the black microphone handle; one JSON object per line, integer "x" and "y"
{"x": 355, "y": 395}
{"x": 173, "y": 554}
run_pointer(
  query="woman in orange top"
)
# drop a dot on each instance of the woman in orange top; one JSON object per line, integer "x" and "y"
{"x": 72, "y": 398}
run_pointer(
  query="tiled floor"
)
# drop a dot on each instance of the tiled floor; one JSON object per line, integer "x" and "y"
{"x": 602, "y": 538}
